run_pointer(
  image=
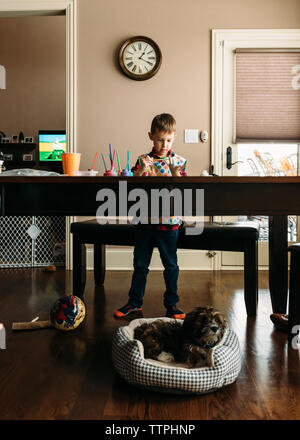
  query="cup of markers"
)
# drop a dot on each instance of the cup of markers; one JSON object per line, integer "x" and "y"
{"x": 109, "y": 172}
{"x": 119, "y": 165}
{"x": 112, "y": 172}
{"x": 127, "y": 173}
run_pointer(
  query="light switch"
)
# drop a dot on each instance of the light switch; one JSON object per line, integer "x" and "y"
{"x": 191, "y": 136}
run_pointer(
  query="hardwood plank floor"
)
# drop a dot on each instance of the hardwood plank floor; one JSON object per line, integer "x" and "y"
{"x": 47, "y": 374}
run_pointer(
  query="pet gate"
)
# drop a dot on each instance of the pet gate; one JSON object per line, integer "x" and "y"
{"x": 32, "y": 241}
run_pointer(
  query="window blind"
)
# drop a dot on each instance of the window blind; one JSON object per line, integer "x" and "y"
{"x": 267, "y": 95}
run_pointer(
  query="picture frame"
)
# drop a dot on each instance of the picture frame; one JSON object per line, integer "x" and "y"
{"x": 7, "y": 157}
{"x": 14, "y": 139}
{"x": 28, "y": 140}
{"x": 27, "y": 157}
{"x": 5, "y": 140}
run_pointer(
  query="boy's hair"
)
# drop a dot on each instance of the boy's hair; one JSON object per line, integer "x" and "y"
{"x": 164, "y": 122}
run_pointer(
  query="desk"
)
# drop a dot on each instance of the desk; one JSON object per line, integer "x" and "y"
{"x": 276, "y": 197}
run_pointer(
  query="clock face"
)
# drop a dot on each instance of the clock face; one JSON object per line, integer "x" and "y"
{"x": 140, "y": 58}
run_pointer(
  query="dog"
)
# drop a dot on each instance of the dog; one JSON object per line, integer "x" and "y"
{"x": 190, "y": 343}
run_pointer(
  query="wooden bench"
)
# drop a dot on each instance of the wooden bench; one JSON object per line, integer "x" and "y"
{"x": 235, "y": 237}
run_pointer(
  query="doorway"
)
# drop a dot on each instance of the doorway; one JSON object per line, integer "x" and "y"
{"x": 19, "y": 8}
{"x": 251, "y": 159}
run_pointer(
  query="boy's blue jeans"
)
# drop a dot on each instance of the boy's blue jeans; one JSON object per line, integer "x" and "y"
{"x": 145, "y": 241}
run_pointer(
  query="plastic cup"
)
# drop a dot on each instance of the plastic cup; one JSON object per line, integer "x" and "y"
{"x": 110, "y": 173}
{"x": 71, "y": 163}
{"x": 127, "y": 173}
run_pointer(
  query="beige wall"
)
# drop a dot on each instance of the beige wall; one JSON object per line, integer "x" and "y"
{"x": 33, "y": 51}
{"x": 114, "y": 109}
{"x": 111, "y": 107}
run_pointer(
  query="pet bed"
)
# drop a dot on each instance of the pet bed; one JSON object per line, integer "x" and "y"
{"x": 128, "y": 359}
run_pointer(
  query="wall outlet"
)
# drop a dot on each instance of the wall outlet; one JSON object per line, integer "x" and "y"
{"x": 191, "y": 136}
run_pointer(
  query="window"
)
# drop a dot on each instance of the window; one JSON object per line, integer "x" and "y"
{"x": 267, "y": 95}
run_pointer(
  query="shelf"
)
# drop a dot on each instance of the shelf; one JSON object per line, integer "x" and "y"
{"x": 18, "y": 145}
{"x": 8, "y": 162}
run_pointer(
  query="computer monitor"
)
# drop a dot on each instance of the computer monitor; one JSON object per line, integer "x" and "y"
{"x": 52, "y": 143}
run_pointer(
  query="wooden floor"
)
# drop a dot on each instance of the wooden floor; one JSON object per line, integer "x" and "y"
{"x": 47, "y": 374}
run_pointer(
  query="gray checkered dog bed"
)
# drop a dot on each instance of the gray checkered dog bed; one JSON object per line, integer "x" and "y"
{"x": 128, "y": 359}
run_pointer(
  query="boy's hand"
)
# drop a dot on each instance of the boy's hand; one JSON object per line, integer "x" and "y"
{"x": 175, "y": 171}
{"x": 146, "y": 162}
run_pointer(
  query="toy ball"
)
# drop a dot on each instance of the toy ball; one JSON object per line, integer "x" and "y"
{"x": 67, "y": 313}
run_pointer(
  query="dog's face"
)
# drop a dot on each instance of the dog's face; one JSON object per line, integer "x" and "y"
{"x": 204, "y": 326}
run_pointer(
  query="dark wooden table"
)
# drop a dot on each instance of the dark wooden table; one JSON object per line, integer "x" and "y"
{"x": 276, "y": 197}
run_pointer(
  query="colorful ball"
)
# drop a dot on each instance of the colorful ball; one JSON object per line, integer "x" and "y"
{"x": 67, "y": 313}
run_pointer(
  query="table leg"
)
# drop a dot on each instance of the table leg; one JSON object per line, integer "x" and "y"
{"x": 294, "y": 299}
{"x": 278, "y": 262}
{"x": 79, "y": 267}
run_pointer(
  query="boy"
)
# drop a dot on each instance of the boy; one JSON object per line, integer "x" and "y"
{"x": 161, "y": 161}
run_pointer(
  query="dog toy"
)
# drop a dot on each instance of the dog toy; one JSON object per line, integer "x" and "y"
{"x": 50, "y": 269}
{"x": 65, "y": 314}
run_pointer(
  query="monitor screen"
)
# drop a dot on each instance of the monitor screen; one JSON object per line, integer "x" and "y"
{"x": 52, "y": 143}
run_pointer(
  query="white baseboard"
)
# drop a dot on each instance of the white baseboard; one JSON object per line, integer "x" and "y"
{"x": 122, "y": 259}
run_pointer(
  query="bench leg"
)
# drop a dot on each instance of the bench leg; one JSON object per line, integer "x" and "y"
{"x": 99, "y": 264}
{"x": 251, "y": 278}
{"x": 294, "y": 298}
{"x": 278, "y": 262}
{"x": 79, "y": 267}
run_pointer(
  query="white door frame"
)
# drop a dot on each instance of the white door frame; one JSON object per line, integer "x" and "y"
{"x": 17, "y": 8}
{"x": 224, "y": 41}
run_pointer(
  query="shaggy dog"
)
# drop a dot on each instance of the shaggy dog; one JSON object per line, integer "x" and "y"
{"x": 189, "y": 343}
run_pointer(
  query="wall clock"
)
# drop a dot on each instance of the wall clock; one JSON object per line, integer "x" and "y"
{"x": 139, "y": 58}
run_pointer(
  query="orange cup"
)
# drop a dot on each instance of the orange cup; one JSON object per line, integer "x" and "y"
{"x": 70, "y": 162}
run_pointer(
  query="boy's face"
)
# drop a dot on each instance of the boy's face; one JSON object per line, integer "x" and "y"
{"x": 162, "y": 142}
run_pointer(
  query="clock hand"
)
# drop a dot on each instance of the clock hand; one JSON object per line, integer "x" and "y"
{"x": 146, "y": 61}
{"x": 151, "y": 64}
